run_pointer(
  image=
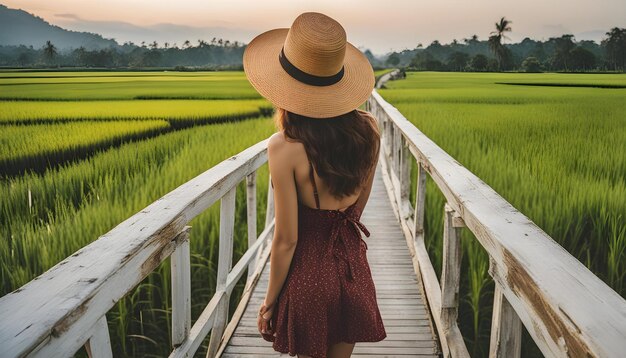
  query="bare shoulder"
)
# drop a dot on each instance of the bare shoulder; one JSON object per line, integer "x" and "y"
{"x": 279, "y": 146}
{"x": 277, "y": 141}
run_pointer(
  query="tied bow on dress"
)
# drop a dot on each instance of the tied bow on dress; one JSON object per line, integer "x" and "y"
{"x": 346, "y": 229}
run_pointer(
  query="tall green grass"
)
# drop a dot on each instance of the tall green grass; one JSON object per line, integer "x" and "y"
{"x": 90, "y": 177}
{"x": 25, "y": 147}
{"x": 557, "y": 154}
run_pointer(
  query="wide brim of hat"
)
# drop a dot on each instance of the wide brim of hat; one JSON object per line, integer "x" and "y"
{"x": 263, "y": 70}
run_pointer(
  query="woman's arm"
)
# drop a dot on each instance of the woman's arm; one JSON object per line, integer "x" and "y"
{"x": 281, "y": 166}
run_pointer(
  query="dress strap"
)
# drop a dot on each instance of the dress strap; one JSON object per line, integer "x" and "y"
{"x": 317, "y": 199}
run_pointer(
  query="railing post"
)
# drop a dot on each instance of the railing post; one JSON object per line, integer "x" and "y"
{"x": 450, "y": 272}
{"x": 251, "y": 210}
{"x": 269, "y": 216}
{"x": 388, "y": 134}
{"x": 227, "y": 224}
{"x": 99, "y": 345}
{"x": 181, "y": 290}
{"x": 506, "y": 326}
{"x": 405, "y": 177}
{"x": 394, "y": 150}
{"x": 420, "y": 200}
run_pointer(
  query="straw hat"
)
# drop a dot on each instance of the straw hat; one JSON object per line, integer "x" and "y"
{"x": 310, "y": 68}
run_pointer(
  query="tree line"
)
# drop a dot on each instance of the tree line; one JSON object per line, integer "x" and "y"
{"x": 555, "y": 54}
{"x": 215, "y": 54}
{"x": 471, "y": 54}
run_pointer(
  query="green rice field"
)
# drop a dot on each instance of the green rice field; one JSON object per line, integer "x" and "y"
{"x": 555, "y": 150}
{"x": 74, "y": 86}
{"x": 83, "y": 151}
{"x": 26, "y": 112}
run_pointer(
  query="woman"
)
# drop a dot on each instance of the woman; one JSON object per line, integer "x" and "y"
{"x": 321, "y": 297}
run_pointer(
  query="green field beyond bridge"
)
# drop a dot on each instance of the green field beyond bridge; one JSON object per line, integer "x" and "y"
{"x": 83, "y": 151}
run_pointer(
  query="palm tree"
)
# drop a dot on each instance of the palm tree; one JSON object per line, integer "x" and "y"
{"x": 186, "y": 44}
{"x": 49, "y": 50}
{"x": 495, "y": 40}
{"x": 502, "y": 27}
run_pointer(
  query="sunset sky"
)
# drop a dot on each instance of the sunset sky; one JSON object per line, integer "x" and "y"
{"x": 381, "y": 26}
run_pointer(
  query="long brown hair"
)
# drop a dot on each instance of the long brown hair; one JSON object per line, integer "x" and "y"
{"x": 343, "y": 149}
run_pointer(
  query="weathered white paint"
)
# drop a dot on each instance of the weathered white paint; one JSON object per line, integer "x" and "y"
{"x": 564, "y": 306}
{"x": 420, "y": 201}
{"x": 251, "y": 285}
{"x": 450, "y": 273}
{"x": 451, "y": 340}
{"x": 200, "y": 328}
{"x": 405, "y": 178}
{"x": 53, "y": 315}
{"x": 251, "y": 217}
{"x": 506, "y": 328}
{"x": 207, "y": 319}
{"x": 181, "y": 290}
{"x": 99, "y": 345}
{"x": 227, "y": 227}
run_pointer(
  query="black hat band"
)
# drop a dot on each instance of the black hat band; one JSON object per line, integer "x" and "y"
{"x": 307, "y": 78}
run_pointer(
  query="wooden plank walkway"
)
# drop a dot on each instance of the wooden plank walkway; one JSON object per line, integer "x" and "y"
{"x": 402, "y": 306}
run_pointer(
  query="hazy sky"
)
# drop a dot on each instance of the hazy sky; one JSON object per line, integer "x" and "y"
{"x": 376, "y": 24}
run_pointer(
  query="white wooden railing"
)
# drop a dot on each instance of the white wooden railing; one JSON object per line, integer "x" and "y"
{"x": 568, "y": 311}
{"x": 65, "y": 308}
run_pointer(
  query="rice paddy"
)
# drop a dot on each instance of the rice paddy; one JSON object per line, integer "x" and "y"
{"x": 74, "y": 169}
{"x": 72, "y": 86}
{"x": 37, "y": 146}
{"x": 557, "y": 153}
{"x": 83, "y": 151}
{"x": 28, "y": 112}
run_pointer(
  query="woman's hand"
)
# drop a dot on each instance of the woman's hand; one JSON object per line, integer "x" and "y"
{"x": 265, "y": 318}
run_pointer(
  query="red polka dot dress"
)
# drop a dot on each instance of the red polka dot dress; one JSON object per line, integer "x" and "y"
{"x": 329, "y": 294}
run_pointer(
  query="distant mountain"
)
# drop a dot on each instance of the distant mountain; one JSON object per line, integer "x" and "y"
{"x": 18, "y": 27}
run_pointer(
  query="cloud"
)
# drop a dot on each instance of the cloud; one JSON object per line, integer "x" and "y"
{"x": 68, "y": 16}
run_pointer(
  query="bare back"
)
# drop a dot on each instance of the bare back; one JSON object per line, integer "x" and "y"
{"x": 305, "y": 189}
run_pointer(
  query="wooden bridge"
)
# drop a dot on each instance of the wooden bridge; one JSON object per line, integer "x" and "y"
{"x": 567, "y": 310}
{"x": 402, "y": 305}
